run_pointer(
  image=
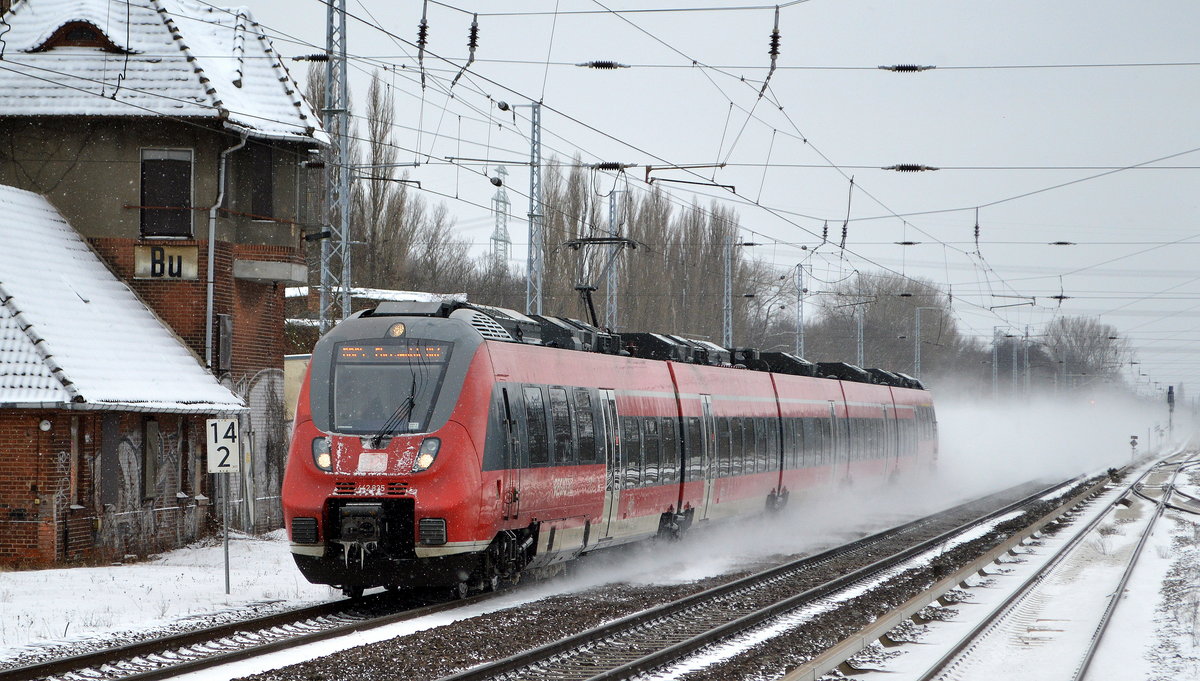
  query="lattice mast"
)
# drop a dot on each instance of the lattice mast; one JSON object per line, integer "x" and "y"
{"x": 335, "y": 250}
{"x": 501, "y": 248}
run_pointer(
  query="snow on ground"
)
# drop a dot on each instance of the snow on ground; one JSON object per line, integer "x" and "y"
{"x": 41, "y": 606}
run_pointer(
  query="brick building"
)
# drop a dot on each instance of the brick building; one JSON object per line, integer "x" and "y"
{"x": 102, "y": 407}
{"x": 171, "y": 136}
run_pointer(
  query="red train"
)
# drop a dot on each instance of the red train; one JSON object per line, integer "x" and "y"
{"x": 440, "y": 444}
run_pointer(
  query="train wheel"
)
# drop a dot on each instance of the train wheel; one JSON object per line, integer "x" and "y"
{"x": 352, "y": 591}
{"x": 461, "y": 590}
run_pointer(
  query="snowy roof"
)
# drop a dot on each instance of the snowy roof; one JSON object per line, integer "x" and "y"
{"x": 71, "y": 332}
{"x": 386, "y": 295}
{"x": 159, "y": 57}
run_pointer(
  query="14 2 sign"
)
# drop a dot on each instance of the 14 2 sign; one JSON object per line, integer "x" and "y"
{"x": 223, "y": 446}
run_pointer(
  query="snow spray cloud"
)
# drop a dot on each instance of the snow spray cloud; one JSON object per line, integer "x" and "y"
{"x": 986, "y": 446}
{"x": 990, "y": 444}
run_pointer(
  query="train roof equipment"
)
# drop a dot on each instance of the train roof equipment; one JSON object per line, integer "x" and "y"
{"x": 843, "y": 371}
{"x": 787, "y": 363}
{"x": 504, "y": 324}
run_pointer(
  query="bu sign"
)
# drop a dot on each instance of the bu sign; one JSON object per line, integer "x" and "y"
{"x": 221, "y": 436}
{"x": 166, "y": 262}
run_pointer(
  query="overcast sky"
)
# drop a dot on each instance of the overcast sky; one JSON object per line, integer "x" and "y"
{"x": 1026, "y": 97}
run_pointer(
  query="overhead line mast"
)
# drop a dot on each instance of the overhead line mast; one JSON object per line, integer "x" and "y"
{"x": 335, "y": 250}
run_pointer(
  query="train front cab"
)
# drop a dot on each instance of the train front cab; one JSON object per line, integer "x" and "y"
{"x": 383, "y": 476}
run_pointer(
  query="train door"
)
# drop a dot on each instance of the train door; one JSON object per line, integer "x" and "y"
{"x": 613, "y": 466}
{"x": 708, "y": 452}
{"x": 510, "y": 497}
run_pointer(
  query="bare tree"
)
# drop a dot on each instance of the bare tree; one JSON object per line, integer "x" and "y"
{"x": 1086, "y": 350}
{"x": 888, "y": 307}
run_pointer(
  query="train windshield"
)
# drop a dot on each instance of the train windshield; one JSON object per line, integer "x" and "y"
{"x": 385, "y": 388}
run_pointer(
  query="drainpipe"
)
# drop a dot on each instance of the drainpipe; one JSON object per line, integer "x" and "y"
{"x": 212, "y": 244}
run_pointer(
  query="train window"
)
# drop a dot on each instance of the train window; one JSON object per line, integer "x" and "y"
{"x": 535, "y": 419}
{"x": 387, "y": 388}
{"x": 866, "y": 428}
{"x": 808, "y": 444}
{"x": 723, "y": 443}
{"x": 694, "y": 448}
{"x": 797, "y": 442}
{"x": 670, "y": 451}
{"x": 585, "y": 426}
{"x": 762, "y": 445}
{"x": 650, "y": 450}
{"x": 816, "y": 439}
{"x": 560, "y": 425}
{"x": 787, "y": 439}
{"x": 749, "y": 446}
{"x": 737, "y": 451}
{"x": 828, "y": 448}
{"x": 631, "y": 450}
{"x": 753, "y": 435}
{"x": 859, "y": 438}
{"x": 773, "y": 454}
{"x": 767, "y": 451}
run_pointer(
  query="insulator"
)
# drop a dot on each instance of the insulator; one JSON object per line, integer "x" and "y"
{"x": 774, "y": 51}
{"x": 907, "y": 68}
{"x": 422, "y": 34}
{"x": 603, "y": 64}
{"x": 312, "y": 57}
{"x": 825, "y": 233}
{"x": 909, "y": 168}
{"x": 610, "y": 165}
{"x": 473, "y": 35}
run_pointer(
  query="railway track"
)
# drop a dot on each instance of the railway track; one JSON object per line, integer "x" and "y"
{"x": 1024, "y": 616}
{"x": 169, "y": 656}
{"x": 681, "y": 625}
{"x": 654, "y": 638}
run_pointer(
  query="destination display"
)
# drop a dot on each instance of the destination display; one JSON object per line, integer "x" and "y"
{"x": 407, "y": 353}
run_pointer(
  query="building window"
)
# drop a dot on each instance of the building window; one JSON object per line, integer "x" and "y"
{"x": 167, "y": 193}
{"x": 78, "y": 34}
{"x": 262, "y": 186}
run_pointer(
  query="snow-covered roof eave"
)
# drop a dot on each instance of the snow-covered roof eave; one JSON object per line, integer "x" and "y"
{"x": 316, "y": 136}
{"x": 141, "y": 408}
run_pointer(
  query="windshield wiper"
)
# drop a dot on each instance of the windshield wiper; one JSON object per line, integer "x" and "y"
{"x": 399, "y": 416}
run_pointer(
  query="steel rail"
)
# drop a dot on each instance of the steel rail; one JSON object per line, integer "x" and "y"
{"x": 151, "y": 651}
{"x": 350, "y": 610}
{"x": 530, "y": 660}
{"x": 1001, "y": 610}
{"x": 1115, "y": 597}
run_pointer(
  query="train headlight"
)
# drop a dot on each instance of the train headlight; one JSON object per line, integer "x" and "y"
{"x": 321, "y": 456}
{"x": 427, "y": 454}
